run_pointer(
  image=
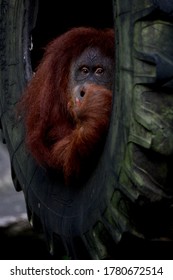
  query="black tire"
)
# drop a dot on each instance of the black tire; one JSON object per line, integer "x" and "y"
{"x": 131, "y": 189}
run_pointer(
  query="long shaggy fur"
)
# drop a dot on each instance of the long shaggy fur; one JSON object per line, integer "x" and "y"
{"x": 59, "y": 133}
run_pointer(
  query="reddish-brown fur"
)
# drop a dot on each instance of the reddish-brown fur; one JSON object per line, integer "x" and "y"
{"x": 59, "y": 132}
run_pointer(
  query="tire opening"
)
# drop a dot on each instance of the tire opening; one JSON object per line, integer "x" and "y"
{"x": 57, "y": 17}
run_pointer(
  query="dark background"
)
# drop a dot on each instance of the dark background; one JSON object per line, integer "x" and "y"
{"x": 57, "y": 17}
